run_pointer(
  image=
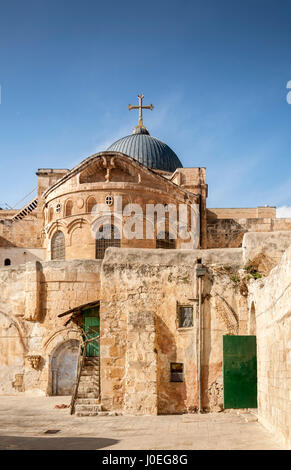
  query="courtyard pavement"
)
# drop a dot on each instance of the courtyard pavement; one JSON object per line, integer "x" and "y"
{"x": 33, "y": 423}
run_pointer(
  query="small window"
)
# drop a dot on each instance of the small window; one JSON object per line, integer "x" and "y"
{"x": 185, "y": 316}
{"x": 7, "y": 262}
{"x": 109, "y": 200}
{"x": 58, "y": 208}
{"x": 177, "y": 372}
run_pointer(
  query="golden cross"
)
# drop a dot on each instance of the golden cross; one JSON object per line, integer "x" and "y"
{"x": 140, "y": 107}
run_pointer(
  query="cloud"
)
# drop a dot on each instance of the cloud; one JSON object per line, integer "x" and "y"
{"x": 283, "y": 212}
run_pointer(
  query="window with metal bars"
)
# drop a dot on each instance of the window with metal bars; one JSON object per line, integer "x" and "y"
{"x": 58, "y": 246}
{"x": 164, "y": 241}
{"x": 110, "y": 237}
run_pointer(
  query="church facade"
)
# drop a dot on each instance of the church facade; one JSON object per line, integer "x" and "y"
{"x": 100, "y": 250}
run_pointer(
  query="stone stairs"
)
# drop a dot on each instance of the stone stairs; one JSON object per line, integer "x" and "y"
{"x": 88, "y": 397}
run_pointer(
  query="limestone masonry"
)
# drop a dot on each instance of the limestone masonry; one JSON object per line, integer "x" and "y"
{"x": 159, "y": 306}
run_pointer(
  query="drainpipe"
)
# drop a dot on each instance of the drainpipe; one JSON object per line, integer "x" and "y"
{"x": 200, "y": 272}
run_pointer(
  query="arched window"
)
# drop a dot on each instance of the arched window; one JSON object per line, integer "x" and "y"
{"x": 58, "y": 246}
{"x": 7, "y": 262}
{"x": 90, "y": 204}
{"x": 164, "y": 241}
{"x": 111, "y": 237}
{"x": 69, "y": 208}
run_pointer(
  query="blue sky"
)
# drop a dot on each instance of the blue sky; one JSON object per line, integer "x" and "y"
{"x": 216, "y": 72}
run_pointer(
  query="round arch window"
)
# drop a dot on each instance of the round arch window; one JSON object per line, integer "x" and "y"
{"x": 109, "y": 200}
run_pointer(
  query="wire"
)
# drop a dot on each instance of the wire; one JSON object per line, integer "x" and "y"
{"x": 15, "y": 207}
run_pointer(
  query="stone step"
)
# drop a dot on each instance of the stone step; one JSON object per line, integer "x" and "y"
{"x": 88, "y": 394}
{"x": 86, "y": 413}
{"x": 90, "y": 369}
{"x": 88, "y": 407}
{"x": 92, "y": 413}
{"x": 89, "y": 378}
{"x": 87, "y": 388}
{"x": 88, "y": 401}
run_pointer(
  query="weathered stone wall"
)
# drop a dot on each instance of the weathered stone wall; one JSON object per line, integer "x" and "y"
{"x": 143, "y": 286}
{"x": 227, "y": 227}
{"x": 271, "y": 244}
{"x": 20, "y": 233}
{"x": 31, "y": 297}
{"x": 21, "y": 255}
{"x": 242, "y": 213}
{"x": 269, "y": 303}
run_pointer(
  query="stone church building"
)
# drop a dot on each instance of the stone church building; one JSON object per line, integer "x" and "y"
{"x": 168, "y": 313}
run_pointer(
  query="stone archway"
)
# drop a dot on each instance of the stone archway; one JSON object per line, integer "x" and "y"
{"x": 63, "y": 367}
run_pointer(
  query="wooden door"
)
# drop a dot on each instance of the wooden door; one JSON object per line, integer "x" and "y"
{"x": 91, "y": 326}
{"x": 239, "y": 372}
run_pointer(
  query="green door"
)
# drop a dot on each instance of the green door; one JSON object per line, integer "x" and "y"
{"x": 239, "y": 372}
{"x": 91, "y": 325}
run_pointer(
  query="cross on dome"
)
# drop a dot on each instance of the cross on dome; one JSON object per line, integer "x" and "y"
{"x": 140, "y": 107}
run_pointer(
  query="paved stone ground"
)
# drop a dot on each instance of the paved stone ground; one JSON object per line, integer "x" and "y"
{"x": 25, "y": 420}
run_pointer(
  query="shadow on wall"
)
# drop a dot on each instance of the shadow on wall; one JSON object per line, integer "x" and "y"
{"x": 171, "y": 395}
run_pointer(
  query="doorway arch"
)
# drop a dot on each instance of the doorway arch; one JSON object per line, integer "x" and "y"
{"x": 64, "y": 367}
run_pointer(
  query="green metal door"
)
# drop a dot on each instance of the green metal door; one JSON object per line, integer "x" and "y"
{"x": 239, "y": 372}
{"x": 91, "y": 325}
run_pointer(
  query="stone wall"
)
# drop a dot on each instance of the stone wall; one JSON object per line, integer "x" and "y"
{"x": 140, "y": 335}
{"x": 271, "y": 244}
{"x": 20, "y": 233}
{"x": 227, "y": 227}
{"x": 269, "y": 303}
{"x": 21, "y": 255}
{"x": 242, "y": 213}
{"x": 31, "y": 298}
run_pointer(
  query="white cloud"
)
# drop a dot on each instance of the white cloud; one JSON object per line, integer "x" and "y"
{"x": 283, "y": 212}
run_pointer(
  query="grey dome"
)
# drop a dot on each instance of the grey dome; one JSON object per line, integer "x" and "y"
{"x": 148, "y": 150}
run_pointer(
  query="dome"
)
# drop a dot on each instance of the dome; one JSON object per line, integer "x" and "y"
{"x": 147, "y": 150}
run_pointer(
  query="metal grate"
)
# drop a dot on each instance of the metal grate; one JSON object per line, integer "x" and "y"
{"x": 111, "y": 238}
{"x": 58, "y": 246}
{"x": 164, "y": 241}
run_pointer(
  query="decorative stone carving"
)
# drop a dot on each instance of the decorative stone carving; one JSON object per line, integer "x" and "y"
{"x": 34, "y": 360}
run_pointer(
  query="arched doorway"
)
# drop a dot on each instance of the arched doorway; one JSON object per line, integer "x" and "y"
{"x": 64, "y": 366}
